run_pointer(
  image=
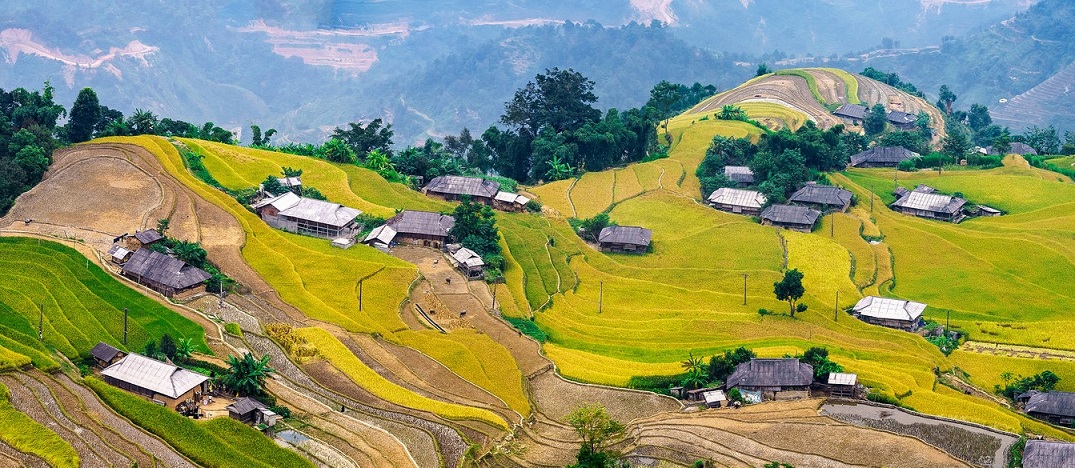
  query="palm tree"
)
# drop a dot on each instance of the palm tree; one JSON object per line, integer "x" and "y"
{"x": 246, "y": 376}
{"x": 697, "y": 372}
{"x": 142, "y": 122}
{"x": 184, "y": 348}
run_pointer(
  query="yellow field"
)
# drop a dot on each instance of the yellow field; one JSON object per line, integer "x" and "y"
{"x": 555, "y": 195}
{"x": 787, "y": 117}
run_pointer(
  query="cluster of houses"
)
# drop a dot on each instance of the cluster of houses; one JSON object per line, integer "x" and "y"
{"x": 171, "y": 386}
{"x": 775, "y": 379}
{"x": 801, "y": 213}
{"x": 155, "y": 270}
{"x": 454, "y": 188}
{"x": 855, "y": 114}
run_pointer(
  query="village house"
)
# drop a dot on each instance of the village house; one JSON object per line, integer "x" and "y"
{"x": 118, "y": 254}
{"x": 853, "y": 114}
{"x": 160, "y": 382}
{"x": 902, "y": 120}
{"x": 715, "y": 398}
{"x": 453, "y": 188}
{"x": 105, "y": 355}
{"x": 294, "y": 184}
{"x": 843, "y": 385}
{"x": 883, "y": 156}
{"x": 1016, "y": 148}
{"x": 624, "y": 239}
{"x": 1047, "y": 454}
{"x": 413, "y": 227}
{"x": 747, "y": 202}
{"x": 822, "y": 197}
{"x": 318, "y": 218}
{"x": 796, "y": 218}
{"x": 164, "y": 274}
{"x": 469, "y": 263}
{"x": 772, "y": 379}
{"x": 507, "y": 201}
{"x": 143, "y": 239}
{"x": 741, "y": 175}
{"x": 1054, "y": 407}
{"x": 925, "y": 202}
{"x": 891, "y": 313}
{"x": 250, "y": 411}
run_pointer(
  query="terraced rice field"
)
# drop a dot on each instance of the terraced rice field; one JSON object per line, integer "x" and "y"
{"x": 874, "y": 92}
{"x": 793, "y": 90}
{"x": 81, "y": 303}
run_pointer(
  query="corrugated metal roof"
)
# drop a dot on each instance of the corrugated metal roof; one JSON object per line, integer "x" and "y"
{"x": 383, "y": 234}
{"x": 771, "y": 373}
{"x": 458, "y": 185}
{"x": 468, "y": 257}
{"x": 935, "y": 202}
{"x": 1017, "y": 148}
{"x": 854, "y": 111}
{"x": 901, "y": 118}
{"x": 842, "y": 378}
{"x": 822, "y": 195}
{"x": 246, "y": 405}
{"x": 1058, "y": 403}
{"x": 280, "y": 202}
{"x": 1046, "y": 454}
{"x": 104, "y": 351}
{"x": 118, "y": 252}
{"x": 633, "y": 235}
{"x": 422, "y": 222}
{"x": 323, "y": 212}
{"x": 148, "y": 236}
{"x": 714, "y": 396}
{"x": 883, "y": 155}
{"x": 163, "y": 269}
{"x": 740, "y": 174}
{"x": 790, "y": 214}
{"x": 290, "y": 181}
{"x": 737, "y": 197}
{"x": 886, "y": 308}
{"x": 151, "y": 374}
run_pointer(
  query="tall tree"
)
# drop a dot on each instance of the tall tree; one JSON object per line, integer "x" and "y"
{"x": 85, "y": 114}
{"x": 875, "y": 120}
{"x": 336, "y": 150}
{"x": 475, "y": 228}
{"x": 1044, "y": 140}
{"x": 142, "y": 122}
{"x": 946, "y": 99}
{"x": 955, "y": 146}
{"x": 596, "y": 428}
{"x": 375, "y": 135}
{"x": 978, "y": 117}
{"x": 558, "y": 99}
{"x": 790, "y": 289}
{"x": 246, "y": 376}
{"x": 1002, "y": 144}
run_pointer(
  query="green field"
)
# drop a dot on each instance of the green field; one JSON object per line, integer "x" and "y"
{"x": 82, "y": 305}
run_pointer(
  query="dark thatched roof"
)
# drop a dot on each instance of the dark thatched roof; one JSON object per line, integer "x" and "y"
{"x": 883, "y": 155}
{"x": 901, "y": 118}
{"x": 104, "y": 352}
{"x": 163, "y": 269}
{"x": 458, "y": 185}
{"x": 632, "y": 235}
{"x": 1043, "y": 454}
{"x": 851, "y": 111}
{"x": 771, "y": 373}
{"x": 246, "y": 405}
{"x": 148, "y": 236}
{"x": 822, "y": 195}
{"x": 790, "y": 214}
{"x": 1057, "y": 403}
{"x": 421, "y": 223}
{"x": 1017, "y": 148}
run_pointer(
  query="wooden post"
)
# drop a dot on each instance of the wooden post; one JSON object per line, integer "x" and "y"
{"x": 836, "y": 308}
{"x": 495, "y": 282}
{"x": 871, "y": 202}
{"x": 600, "y": 296}
{"x": 947, "y": 320}
{"x": 40, "y": 322}
{"x": 124, "y": 326}
{"x": 360, "y": 294}
{"x": 832, "y": 225}
{"x": 745, "y": 288}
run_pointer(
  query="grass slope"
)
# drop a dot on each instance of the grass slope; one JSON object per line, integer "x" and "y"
{"x": 26, "y": 435}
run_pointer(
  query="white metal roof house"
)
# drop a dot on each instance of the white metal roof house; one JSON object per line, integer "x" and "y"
{"x": 301, "y": 215}
{"x": 161, "y": 382}
{"x": 748, "y": 202}
{"x": 925, "y": 202}
{"x": 508, "y": 201}
{"x": 891, "y": 313}
{"x": 468, "y": 262}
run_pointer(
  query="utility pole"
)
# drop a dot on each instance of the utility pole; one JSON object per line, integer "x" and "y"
{"x": 40, "y": 322}
{"x": 495, "y": 282}
{"x": 836, "y": 307}
{"x": 947, "y": 319}
{"x": 600, "y": 297}
{"x": 871, "y": 202}
{"x": 744, "y": 288}
{"x": 124, "y": 326}
{"x": 832, "y": 225}
{"x": 360, "y": 294}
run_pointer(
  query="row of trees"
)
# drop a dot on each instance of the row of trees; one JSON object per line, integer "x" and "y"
{"x": 90, "y": 119}
{"x": 27, "y": 139}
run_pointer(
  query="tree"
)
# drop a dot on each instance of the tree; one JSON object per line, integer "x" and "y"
{"x": 818, "y": 358}
{"x": 790, "y": 289}
{"x": 782, "y": 173}
{"x": 1043, "y": 140}
{"x": 946, "y": 99}
{"x": 720, "y": 367}
{"x": 475, "y": 228}
{"x": 162, "y": 226}
{"x": 363, "y": 139}
{"x": 1002, "y": 144}
{"x": 259, "y": 140}
{"x": 978, "y": 117}
{"x": 377, "y": 161}
{"x": 955, "y": 146}
{"x": 168, "y": 346}
{"x": 875, "y": 121}
{"x": 272, "y": 185}
{"x": 595, "y": 427}
{"x": 246, "y": 376}
{"x": 143, "y": 122}
{"x": 85, "y": 114}
{"x": 732, "y": 112}
{"x": 590, "y": 228}
{"x": 184, "y": 348}
{"x": 291, "y": 172}
{"x": 109, "y": 117}
{"x": 336, "y": 150}
{"x": 697, "y": 372}
{"x": 558, "y": 99}
{"x": 663, "y": 98}
{"x": 763, "y": 69}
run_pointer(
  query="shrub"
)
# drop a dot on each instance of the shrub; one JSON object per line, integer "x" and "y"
{"x": 533, "y": 206}
{"x": 655, "y": 383}
{"x": 233, "y": 329}
{"x": 907, "y": 165}
{"x": 528, "y": 328}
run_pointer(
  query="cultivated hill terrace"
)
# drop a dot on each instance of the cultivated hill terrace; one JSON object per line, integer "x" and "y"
{"x": 356, "y": 339}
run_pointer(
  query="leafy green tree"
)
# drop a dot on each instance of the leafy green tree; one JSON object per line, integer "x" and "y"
{"x": 190, "y": 252}
{"x": 168, "y": 346}
{"x": 697, "y": 372}
{"x": 790, "y": 289}
{"x": 336, "y": 150}
{"x": 162, "y": 226}
{"x": 663, "y": 98}
{"x": 1044, "y": 140}
{"x": 818, "y": 357}
{"x": 922, "y": 124}
{"x": 955, "y": 146}
{"x": 184, "y": 348}
{"x": 1002, "y": 144}
{"x": 763, "y": 69}
{"x": 377, "y": 161}
{"x": 272, "y": 185}
{"x": 311, "y": 192}
{"x": 291, "y": 172}
{"x": 259, "y": 140}
{"x": 598, "y": 430}
{"x": 978, "y": 117}
{"x": 109, "y": 117}
{"x": 143, "y": 122}
{"x": 782, "y": 173}
{"x": 722, "y": 366}
{"x": 946, "y": 99}
{"x": 590, "y": 228}
{"x": 875, "y": 121}
{"x": 1016, "y": 385}
{"x": 557, "y": 99}
{"x": 1069, "y": 143}
{"x": 475, "y": 228}
{"x": 732, "y": 112}
{"x": 376, "y": 135}
{"x": 913, "y": 141}
{"x": 246, "y": 376}
{"x": 85, "y": 114}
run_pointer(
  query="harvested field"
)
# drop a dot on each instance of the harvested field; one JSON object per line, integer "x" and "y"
{"x": 790, "y": 89}
{"x": 873, "y": 92}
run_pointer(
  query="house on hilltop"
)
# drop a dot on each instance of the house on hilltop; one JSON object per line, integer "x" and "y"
{"x": 624, "y": 239}
{"x": 891, "y": 313}
{"x": 853, "y": 114}
{"x": 925, "y": 202}
{"x": 160, "y": 382}
{"x": 300, "y": 215}
{"x": 1047, "y": 454}
{"x": 883, "y": 156}
{"x": 902, "y": 120}
{"x": 747, "y": 202}
{"x": 822, "y": 197}
{"x": 453, "y": 188}
{"x": 413, "y": 227}
{"x": 773, "y": 379}
{"x": 164, "y": 274}
{"x": 741, "y": 175}
{"x": 1054, "y": 407}
{"x": 796, "y": 218}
